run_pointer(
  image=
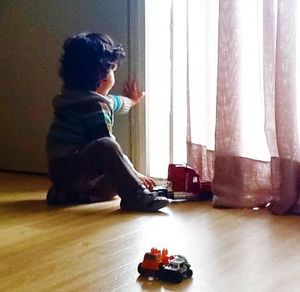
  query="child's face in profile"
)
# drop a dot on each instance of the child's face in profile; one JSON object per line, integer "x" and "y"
{"x": 107, "y": 83}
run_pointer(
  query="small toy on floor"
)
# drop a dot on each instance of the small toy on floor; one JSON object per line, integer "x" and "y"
{"x": 184, "y": 183}
{"x": 158, "y": 265}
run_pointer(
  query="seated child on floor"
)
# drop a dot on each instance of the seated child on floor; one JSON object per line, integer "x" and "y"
{"x": 85, "y": 162}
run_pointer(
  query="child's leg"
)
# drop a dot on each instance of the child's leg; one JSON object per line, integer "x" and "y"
{"x": 104, "y": 157}
{"x": 98, "y": 171}
{"x": 99, "y": 189}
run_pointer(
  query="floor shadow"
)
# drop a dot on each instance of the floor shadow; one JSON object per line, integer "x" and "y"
{"x": 159, "y": 285}
{"x": 26, "y": 206}
{"x": 38, "y": 206}
{"x": 23, "y": 183}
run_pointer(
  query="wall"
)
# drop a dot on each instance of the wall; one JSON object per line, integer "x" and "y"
{"x": 32, "y": 33}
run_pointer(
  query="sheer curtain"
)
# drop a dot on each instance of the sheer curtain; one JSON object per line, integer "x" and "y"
{"x": 243, "y": 100}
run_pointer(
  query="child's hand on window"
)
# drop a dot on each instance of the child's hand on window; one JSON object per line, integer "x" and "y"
{"x": 132, "y": 91}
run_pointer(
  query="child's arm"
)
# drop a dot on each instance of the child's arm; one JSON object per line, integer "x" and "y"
{"x": 135, "y": 96}
{"x": 122, "y": 104}
{"x": 147, "y": 181}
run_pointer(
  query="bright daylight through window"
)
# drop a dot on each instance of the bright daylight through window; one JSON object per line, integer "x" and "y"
{"x": 181, "y": 59}
{"x": 181, "y": 79}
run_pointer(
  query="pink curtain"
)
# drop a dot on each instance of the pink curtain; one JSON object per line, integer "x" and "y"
{"x": 239, "y": 180}
{"x": 281, "y": 104}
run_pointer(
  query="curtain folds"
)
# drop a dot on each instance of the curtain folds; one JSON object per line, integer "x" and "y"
{"x": 256, "y": 159}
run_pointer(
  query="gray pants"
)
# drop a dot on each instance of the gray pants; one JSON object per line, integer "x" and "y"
{"x": 96, "y": 172}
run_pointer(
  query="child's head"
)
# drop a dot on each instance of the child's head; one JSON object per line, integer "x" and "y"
{"x": 88, "y": 58}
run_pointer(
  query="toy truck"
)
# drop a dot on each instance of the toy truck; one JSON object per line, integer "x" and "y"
{"x": 184, "y": 183}
{"x": 158, "y": 265}
{"x": 152, "y": 263}
{"x": 176, "y": 270}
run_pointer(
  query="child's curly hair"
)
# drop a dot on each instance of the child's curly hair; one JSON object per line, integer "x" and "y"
{"x": 87, "y": 59}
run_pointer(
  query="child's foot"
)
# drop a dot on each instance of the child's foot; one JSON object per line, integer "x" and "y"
{"x": 144, "y": 201}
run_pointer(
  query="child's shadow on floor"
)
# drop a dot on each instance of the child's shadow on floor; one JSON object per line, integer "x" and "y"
{"x": 34, "y": 206}
{"x": 25, "y": 207}
{"x": 31, "y": 207}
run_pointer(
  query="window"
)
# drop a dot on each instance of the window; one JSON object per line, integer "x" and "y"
{"x": 177, "y": 65}
{"x": 181, "y": 77}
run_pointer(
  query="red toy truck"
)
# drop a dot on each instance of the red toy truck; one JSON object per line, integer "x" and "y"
{"x": 157, "y": 264}
{"x": 152, "y": 263}
{"x": 185, "y": 183}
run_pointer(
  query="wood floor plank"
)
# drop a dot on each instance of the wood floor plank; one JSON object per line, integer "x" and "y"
{"x": 97, "y": 247}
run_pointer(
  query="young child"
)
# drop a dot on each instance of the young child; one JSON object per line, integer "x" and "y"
{"x": 85, "y": 162}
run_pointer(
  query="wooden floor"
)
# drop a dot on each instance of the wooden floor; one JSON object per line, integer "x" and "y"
{"x": 98, "y": 247}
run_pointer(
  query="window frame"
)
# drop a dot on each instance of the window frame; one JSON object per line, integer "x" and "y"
{"x": 136, "y": 71}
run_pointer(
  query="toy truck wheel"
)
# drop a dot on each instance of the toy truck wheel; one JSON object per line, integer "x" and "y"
{"x": 146, "y": 272}
{"x": 176, "y": 277}
{"x": 161, "y": 274}
{"x": 189, "y": 273}
{"x": 140, "y": 268}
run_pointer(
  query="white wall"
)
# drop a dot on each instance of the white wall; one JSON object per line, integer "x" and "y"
{"x": 31, "y": 34}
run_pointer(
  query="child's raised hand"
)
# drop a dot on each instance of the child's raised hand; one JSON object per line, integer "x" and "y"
{"x": 132, "y": 90}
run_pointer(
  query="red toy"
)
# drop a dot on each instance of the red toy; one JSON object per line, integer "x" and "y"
{"x": 185, "y": 179}
{"x": 152, "y": 263}
{"x": 185, "y": 183}
{"x": 157, "y": 264}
